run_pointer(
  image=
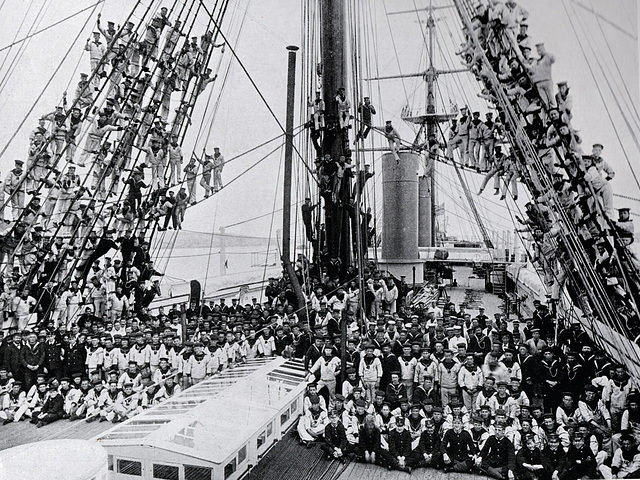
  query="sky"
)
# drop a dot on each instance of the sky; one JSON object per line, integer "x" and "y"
{"x": 386, "y": 44}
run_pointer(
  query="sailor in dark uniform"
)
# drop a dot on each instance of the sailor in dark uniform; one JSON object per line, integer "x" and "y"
{"x": 335, "y": 443}
{"x": 497, "y": 458}
{"x": 552, "y": 380}
{"x": 395, "y": 391}
{"x": 53, "y": 408}
{"x": 399, "y": 447}
{"x": 457, "y": 449}
{"x": 427, "y": 453}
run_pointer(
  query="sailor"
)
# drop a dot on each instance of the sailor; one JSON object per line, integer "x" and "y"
{"x": 447, "y": 377}
{"x": 476, "y": 136}
{"x": 461, "y": 138}
{"x": 407, "y": 369}
{"x": 556, "y": 457}
{"x": 624, "y": 222}
{"x": 415, "y": 423}
{"x": 399, "y": 446}
{"x": 366, "y": 110}
{"x": 96, "y": 51}
{"x": 14, "y": 188}
{"x": 127, "y": 405}
{"x": 317, "y": 116}
{"x": 307, "y": 218}
{"x": 523, "y": 38}
{"x": 541, "y": 75}
{"x": 109, "y": 35}
{"x": 156, "y": 159}
{"x": 615, "y": 393}
{"x": 190, "y": 176}
{"x": 218, "y": 165}
{"x": 99, "y": 128}
{"x": 59, "y": 120}
{"x": 497, "y": 170}
{"x": 510, "y": 176}
{"x": 335, "y": 443}
{"x": 600, "y": 163}
{"x": 488, "y": 138}
{"x": 312, "y": 424}
{"x": 393, "y": 137}
{"x": 329, "y": 366}
{"x": 344, "y": 106}
{"x": 94, "y": 402}
{"x": 205, "y": 79}
{"x": 497, "y": 457}
{"x": 132, "y": 376}
{"x": 84, "y": 92}
{"x": 184, "y": 67}
{"x": 457, "y": 448}
{"x": 565, "y": 102}
{"x": 171, "y": 38}
{"x": 12, "y": 402}
{"x": 427, "y": 453}
{"x": 207, "y": 169}
{"x": 470, "y": 380}
{"x": 600, "y": 185}
{"x": 52, "y": 409}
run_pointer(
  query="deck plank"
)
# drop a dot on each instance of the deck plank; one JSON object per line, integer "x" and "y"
{"x": 362, "y": 471}
{"x": 19, "y": 433}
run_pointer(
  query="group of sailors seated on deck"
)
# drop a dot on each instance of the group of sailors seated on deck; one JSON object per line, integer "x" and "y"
{"x": 444, "y": 388}
{"x": 110, "y": 368}
{"x": 569, "y": 186}
{"x": 120, "y": 117}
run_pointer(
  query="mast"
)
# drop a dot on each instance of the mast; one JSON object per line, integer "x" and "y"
{"x": 334, "y": 76}
{"x": 427, "y": 183}
{"x": 286, "y": 197}
{"x": 429, "y": 128}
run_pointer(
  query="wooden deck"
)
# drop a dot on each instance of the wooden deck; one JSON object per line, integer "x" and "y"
{"x": 288, "y": 460}
{"x": 361, "y": 471}
{"x": 23, "y": 432}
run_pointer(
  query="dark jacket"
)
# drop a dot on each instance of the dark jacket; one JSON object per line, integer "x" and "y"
{"x": 532, "y": 457}
{"x": 399, "y": 443}
{"x": 53, "y": 354}
{"x": 369, "y": 440}
{"x": 557, "y": 459}
{"x": 76, "y": 359}
{"x": 582, "y": 462}
{"x": 499, "y": 453}
{"x": 32, "y": 355}
{"x": 429, "y": 443}
{"x": 54, "y": 405}
{"x": 12, "y": 360}
{"x": 459, "y": 446}
{"x": 335, "y": 436}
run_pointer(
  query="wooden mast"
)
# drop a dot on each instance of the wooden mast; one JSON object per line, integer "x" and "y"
{"x": 334, "y": 76}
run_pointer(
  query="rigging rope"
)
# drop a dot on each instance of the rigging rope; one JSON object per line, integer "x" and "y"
{"x": 15, "y": 42}
{"x": 16, "y": 59}
{"x": 584, "y": 54}
{"x": 33, "y": 106}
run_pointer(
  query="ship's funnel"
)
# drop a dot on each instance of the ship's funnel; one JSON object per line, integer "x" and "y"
{"x": 400, "y": 216}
